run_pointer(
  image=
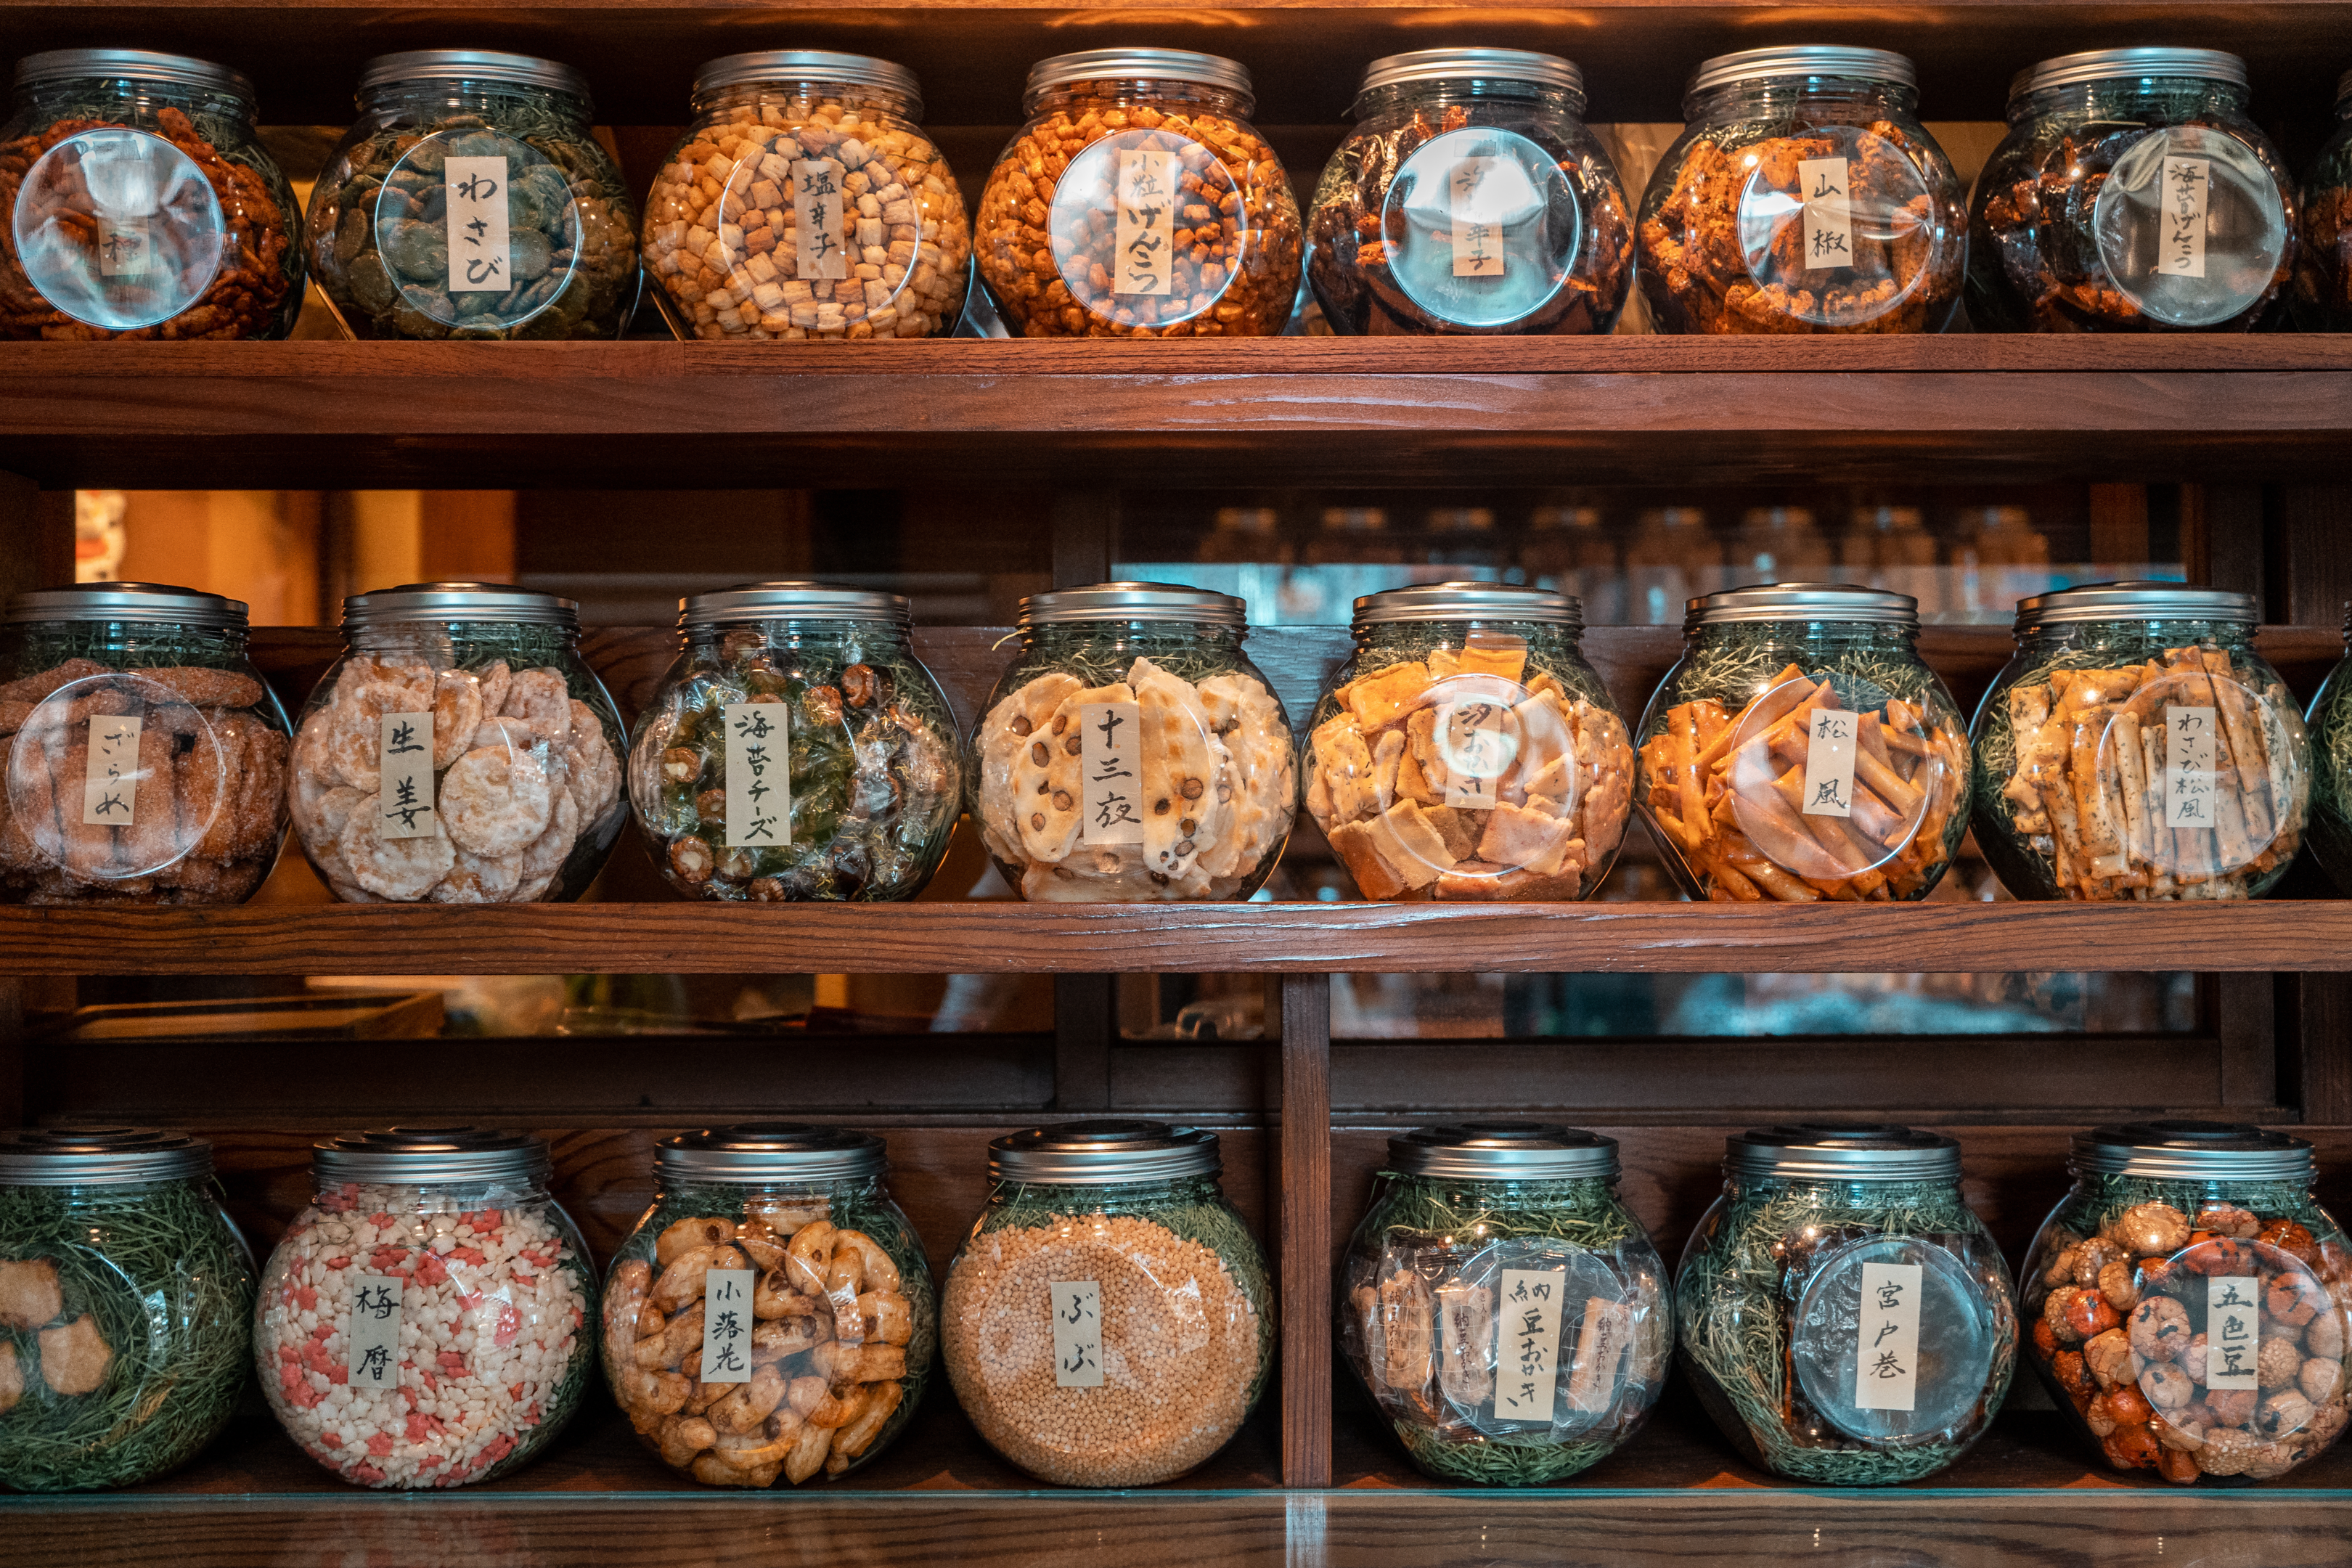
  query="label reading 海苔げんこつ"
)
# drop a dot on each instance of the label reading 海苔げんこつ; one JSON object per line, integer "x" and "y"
{"x": 1077, "y": 1334}
{"x": 1528, "y": 1358}
{"x": 2188, "y": 767}
{"x": 820, "y": 218}
{"x": 1110, "y": 791}
{"x": 2180, "y": 232}
{"x": 1828, "y": 762}
{"x": 405, "y": 778}
{"x": 1145, "y": 231}
{"x": 2232, "y": 1331}
{"x": 109, "y": 794}
{"x": 1478, "y": 244}
{"x": 1829, "y": 212}
{"x": 727, "y": 1325}
{"x": 373, "y": 1346}
{"x": 1887, "y": 1359}
{"x": 759, "y": 781}
{"x": 480, "y": 260}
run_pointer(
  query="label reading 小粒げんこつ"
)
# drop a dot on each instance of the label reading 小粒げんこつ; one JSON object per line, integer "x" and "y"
{"x": 1828, "y": 762}
{"x": 2180, "y": 232}
{"x": 759, "y": 775}
{"x": 1144, "y": 236}
{"x": 1478, "y": 240}
{"x": 1077, "y": 1334}
{"x": 1527, "y": 1354}
{"x": 372, "y": 1345}
{"x": 1827, "y": 196}
{"x": 820, "y": 218}
{"x": 481, "y": 258}
{"x": 110, "y": 793}
{"x": 727, "y": 1325}
{"x": 2189, "y": 779}
{"x": 405, "y": 778}
{"x": 1886, "y": 1359}
{"x": 1110, "y": 789}
{"x": 2232, "y": 1331}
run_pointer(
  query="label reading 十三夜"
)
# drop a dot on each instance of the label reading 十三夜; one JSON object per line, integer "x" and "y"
{"x": 1886, "y": 1356}
{"x": 727, "y": 1325}
{"x": 109, "y": 793}
{"x": 123, "y": 247}
{"x": 1829, "y": 214}
{"x": 1109, "y": 791}
{"x": 1145, "y": 235}
{"x": 480, "y": 261}
{"x": 2188, "y": 767}
{"x": 373, "y": 1344}
{"x": 1477, "y": 247}
{"x": 405, "y": 778}
{"x": 1527, "y": 1359}
{"x": 2180, "y": 233}
{"x": 759, "y": 782}
{"x": 2232, "y": 1330}
{"x": 1077, "y": 1334}
{"x": 1479, "y": 747}
{"x": 1600, "y": 1346}
{"x": 1829, "y": 762}
{"x": 819, "y": 216}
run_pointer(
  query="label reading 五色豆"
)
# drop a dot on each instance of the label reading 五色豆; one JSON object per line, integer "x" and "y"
{"x": 727, "y": 1325}
{"x": 819, "y": 218}
{"x": 109, "y": 794}
{"x": 1477, "y": 246}
{"x": 372, "y": 1345}
{"x": 2188, "y": 767}
{"x": 1886, "y": 1363}
{"x": 1527, "y": 1359}
{"x": 2181, "y": 230}
{"x": 405, "y": 778}
{"x": 759, "y": 778}
{"x": 1828, "y": 762}
{"x": 480, "y": 259}
{"x": 1077, "y": 1334}
{"x": 1478, "y": 746}
{"x": 1829, "y": 214}
{"x": 2232, "y": 1330}
{"x": 1110, "y": 792}
{"x": 1145, "y": 232}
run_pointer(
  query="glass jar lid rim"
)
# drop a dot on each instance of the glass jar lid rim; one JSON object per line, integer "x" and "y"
{"x": 1488, "y": 65}
{"x": 100, "y": 1156}
{"x": 2193, "y": 1151}
{"x": 159, "y": 602}
{"x": 1504, "y": 1151}
{"x": 1132, "y": 601}
{"x": 458, "y": 601}
{"x": 1469, "y": 601}
{"x": 757, "y": 1152}
{"x": 2107, "y": 65}
{"x": 1138, "y": 64}
{"x": 1832, "y": 1150}
{"x": 789, "y": 599}
{"x": 1103, "y": 1151}
{"x": 1805, "y": 59}
{"x": 810, "y": 65}
{"x": 477, "y": 65}
{"x": 420, "y": 1154}
{"x": 1803, "y": 601}
{"x": 2135, "y": 601}
{"x": 136, "y": 65}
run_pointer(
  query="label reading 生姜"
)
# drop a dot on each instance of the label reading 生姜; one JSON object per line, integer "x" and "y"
{"x": 109, "y": 793}
{"x": 1477, "y": 247}
{"x": 1479, "y": 748}
{"x": 1145, "y": 235}
{"x": 1077, "y": 1334}
{"x": 405, "y": 778}
{"x": 1110, "y": 789}
{"x": 1528, "y": 1363}
{"x": 2232, "y": 1330}
{"x": 480, "y": 261}
{"x": 2180, "y": 231}
{"x": 373, "y": 1344}
{"x": 759, "y": 782}
{"x": 1829, "y": 214}
{"x": 1887, "y": 1358}
{"x": 818, "y": 217}
{"x": 2188, "y": 767}
{"x": 1829, "y": 762}
{"x": 727, "y": 1325}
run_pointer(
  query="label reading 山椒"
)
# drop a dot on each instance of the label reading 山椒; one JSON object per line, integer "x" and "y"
{"x": 1144, "y": 234}
{"x": 1828, "y": 762}
{"x": 1829, "y": 212}
{"x": 1526, "y": 1370}
{"x": 727, "y": 1325}
{"x": 2232, "y": 1330}
{"x": 2188, "y": 766}
{"x": 819, "y": 218}
{"x": 480, "y": 259}
{"x": 1886, "y": 1355}
{"x": 1477, "y": 246}
{"x": 1077, "y": 1334}
{"x": 759, "y": 777}
{"x": 109, "y": 794}
{"x": 1110, "y": 792}
{"x": 2181, "y": 228}
{"x": 373, "y": 1346}
{"x": 405, "y": 778}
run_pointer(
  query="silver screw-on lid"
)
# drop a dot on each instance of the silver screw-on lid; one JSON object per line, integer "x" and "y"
{"x": 156, "y": 603}
{"x": 1469, "y": 601}
{"x": 1103, "y": 1153}
{"x": 756, "y": 1153}
{"x": 1804, "y": 59}
{"x": 828, "y": 67}
{"x": 793, "y": 600}
{"x": 471, "y": 65}
{"x": 458, "y": 601}
{"x": 1835, "y": 1152}
{"x": 1138, "y": 65}
{"x": 420, "y": 1155}
{"x": 1479, "y": 64}
{"x": 131, "y": 64}
{"x": 1804, "y": 601}
{"x": 1505, "y": 1152}
{"x": 2109, "y": 64}
{"x": 1132, "y": 601}
{"x": 2193, "y": 1152}
{"x": 2136, "y": 602}
{"x": 100, "y": 1156}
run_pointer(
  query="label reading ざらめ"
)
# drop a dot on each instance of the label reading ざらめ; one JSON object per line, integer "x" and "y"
{"x": 1829, "y": 762}
{"x": 1109, "y": 775}
{"x": 2181, "y": 230}
{"x": 1526, "y": 1360}
{"x": 727, "y": 1325}
{"x": 1145, "y": 235}
{"x": 1477, "y": 247}
{"x": 759, "y": 780}
{"x": 1478, "y": 740}
{"x": 1887, "y": 1357}
{"x": 819, "y": 217}
{"x": 1829, "y": 214}
{"x": 109, "y": 793}
{"x": 372, "y": 1345}
{"x": 479, "y": 260}
{"x": 2188, "y": 767}
{"x": 1077, "y": 1334}
{"x": 405, "y": 778}
{"x": 2232, "y": 1330}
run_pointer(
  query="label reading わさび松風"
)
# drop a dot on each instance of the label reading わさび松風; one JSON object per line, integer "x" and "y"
{"x": 405, "y": 778}
{"x": 1110, "y": 791}
{"x": 1145, "y": 232}
{"x": 2188, "y": 767}
{"x": 2180, "y": 232}
{"x": 1526, "y": 1370}
{"x": 2232, "y": 1330}
{"x": 1829, "y": 214}
{"x": 373, "y": 1346}
{"x": 110, "y": 793}
{"x": 1477, "y": 247}
{"x": 759, "y": 779}
{"x": 1077, "y": 1334}
{"x": 727, "y": 1325}
{"x": 819, "y": 217}
{"x": 1829, "y": 762}
{"x": 1887, "y": 1358}
{"x": 480, "y": 259}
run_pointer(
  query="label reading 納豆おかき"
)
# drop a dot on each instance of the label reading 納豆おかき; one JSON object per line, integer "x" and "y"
{"x": 727, "y": 1325}
{"x": 2232, "y": 1330}
{"x": 1110, "y": 791}
{"x": 1829, "y": 762}
{"x": 2180, "y": 231}
{"x": 1477, "y": 247}
{"x": 405, "y": 778}
{"x": 1829, "y": 214}
{"x": 2188, "y": 767}
{"x": 373, "y": 1344}
{"x": 110, "y": 793}
{"x": 1145, "y": 233}
{"x": 1886, "y": 1359}
{"x": 1077, "y": 1334}
{"x": 1526, "y": 1370}
{"x": 759, "y": 777}
{"x": 480, "y": 259}
{"x": 818, "y": 217}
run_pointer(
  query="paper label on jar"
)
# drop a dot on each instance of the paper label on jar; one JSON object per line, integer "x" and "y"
{"x": 1478, "y": 744}
{"x": 1829, "y": 214}
{"x": 1145, "y": 234}
{"x": 759, "y": 775}
{"x": 1526, "y": 1370}
{"x": 1601, "y": 1346}
{"x": 405, "y": 778}
{"x": 1110, "y": 788}
{"x": 727, "y": 1325}
{"x": 125, "y": 248}
{"x": 2180, "y": 235}
{"x": 1077, "y": 1334}
{"x": 480, "y": 261}
{"x": 372, "y": 1345}
{"x": 1886, "y": 1359}
{"x": 110, "y": 793}
{"x": 2189, "y": 781}
{"x": 1829, "y": 762}
{"x": 821, "y": 248}
{"x": 2232, "y": 1330}
{"x": 1477, "y": 247}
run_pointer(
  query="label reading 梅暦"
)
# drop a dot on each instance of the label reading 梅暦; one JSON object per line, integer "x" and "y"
{"x": 479, "y": 260}
{"x": 759, "y": 779}
{"x": 1527, "y": 1359}
{"x": 373, "y": 1346}
{"x": 819, "y": 217}
{"x": 1145, "y": 233}
{"x": 110, "y": 793}
{"x": 727, "y": 1325}
{"x": 2232, "y": 1330}
{"x": 1110, "y": 794}
{"x": 1887, "y": 1358}
{"x": 2181, "y": 230}
{"x": 1479, "y": 747}
{"x": 2188, "y": 767}
{"x": 1600, "y": 1346}
{"x": 1077, "y": 1334}
{"x": 123, "y": 247}
{"x": 405, "y": 778}
{"x": 1828, "y": 762}
{"x": 1477, "y": 247}
{"x": 1829, "y": 212}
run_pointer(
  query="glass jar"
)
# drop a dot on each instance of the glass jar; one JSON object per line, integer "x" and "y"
{"x": 1803, "y": 196}
{"x": 872, "y": 777}
{"x": 2330, "y": 723}
{"x": 1470, "y": 199}
{"x": 126, "y": 1307}
{"x": 811, "y": 1358}
{"x": 1110, "y": 1320}
{"x": 1467, "y": 751}
{"x": 2132, "y": 194}
{"x": 144, "y": 758}
{"x": 472, "y": 200}
{"x": 2322, "y": 297}
{"x": 1802, "y": 749}
{"x": 1138, "y": 201}
{"x": 2151, "y": 694}
{"x": 2188, "y": 1301}
{"x": 1503, "y": 1306}
{"x": 144, "y": 205}
{"x": 1845, "y": 1316}
{"x": 1133, "y": 753}
{"x": 461, "y": 752}
{"x": 421, "y": 1321}
{"x": 805, "y": 201}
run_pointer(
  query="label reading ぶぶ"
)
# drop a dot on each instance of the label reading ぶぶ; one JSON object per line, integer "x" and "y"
{"x": 1145, "y": 233}
{"x": 1109, "y": 777}
{"x": 727, "y": 1325}
{"x": 1528, "y": 1358}
{"x": 1887, "y": 1358}
{"x": 1829, "y": 762}
{"x": 405, "y": 778}
{"x": 759, "y": 778}
{"x": 373, "y": 1344}
{"x": 819, "y": 216}
{"x": 1077, "y": 1334}
{"x": 1829, "y": 214}
{"x": 2232, "y": 1330}
{"x": 480, "y": 259}
{"x": 2188, "y": 767}
{"x": 2181, "y": 230}
{"x": 1477, "y": 247}
{"x": 109, "y": 793}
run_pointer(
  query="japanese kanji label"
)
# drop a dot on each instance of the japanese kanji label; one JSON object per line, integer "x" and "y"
{"x": 2232, "y": 1330}
{"x": 1110, "y": 777}
{"x": 1479, "y": 745}
{"x": 1145, "y": 235}
{"x": 1477, "y": 247}
{"x": 1828, "y": 762}
{"x": 1829, "y": 214}
{"x": 819, "y": 218}
{"x": 2180, "y": 224}
{"x": 124, "y": 248}
{"x": 759, "y": 775}
{"x": 1527, "y": 1347}
{"x": 109, "y": 793}
{"x": 1599, "y": 1347}
{"x": 1077, "y": 1334}
{"x": 405, "y": 778}
{"x": 1886, "y": 1356}
{"x": 727, "y": 1325}
{"x": 2188, "y": 767}
{"x": 480, "y": 261}
{"x": 373, "y": 1344}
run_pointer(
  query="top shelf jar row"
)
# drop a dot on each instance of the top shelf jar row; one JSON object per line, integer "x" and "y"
{"x": 471, "y": 200}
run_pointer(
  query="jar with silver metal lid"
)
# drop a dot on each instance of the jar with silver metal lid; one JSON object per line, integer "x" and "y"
{"x": 1467, "y": 751}
{"x": 461, "y": 752}
{"x": 1505, "y": 1309}
{"x": 2133, "y": 192}
{"x": 126, "y": 1307}
{"x": 2189, "y": 1300}
{"x": 771, "y": 1314}
{"x": 805, "y": 201}
{"x": 1138, "y": 201}
{"x": 1802, "y": 749}
{"x": 142, "y": 203}
{"x": 1842, "y": 1313}
{"x": 797, "y": 750}
{"x": 2321, "y": 300}
{"x": 424, "y": 1321}
{"x": 472, "y": 200}
{"x": 1133, "y": 753}
{"x": 1803, "y": 196}
{"x": 2138, "y": 746}
{"x": 1110, "y": 1320}
{"x": 1470, "y": 198}
{"x": 143, "y": 757}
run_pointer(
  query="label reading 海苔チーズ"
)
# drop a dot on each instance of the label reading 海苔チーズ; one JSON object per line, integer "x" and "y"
{"x": 1828, "y": 762}
{"x": 2180, "y": 232}
{"x": 1477, "y": 247}
{"x": 2232, "y": 1331}
{"x": 373, "y": 1346}
{"x": 819, "y": 217}
{"x": 759, "y": 782}
{"x": 1526, "y": 1371}
{"x": 109, "y": 794}
{"x": 1110, "y": 791}
{"x": 1145, "y": 231}
{"x": 480, "y": 260}
{"x": 727, "y": 1325}
{"x": 1829, "y": 212}
{"x": 1077, "y": 1334}
{"x": 405, "y": 778}
{"x": 1886, "y": 1356}
{"x": 2188, "y": 767}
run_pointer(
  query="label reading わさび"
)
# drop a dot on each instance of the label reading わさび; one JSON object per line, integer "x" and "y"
{"x": 727, "y": 1325}
{"x": 1077, "y": 1334}
{"x": 1110, "y": 791}
{"x": 759, "y": 779}
{"x": 1887, "y": 1358}
{"x": 1477, "y": 247}
{"x": 1145, "y": 233}
{"x": 109, "y": 793}
{"x": 2181, "y": 230}
{"x": 1829, "y": 214}
{"x": 2232, "y": 1330}
{"x": 405, "y": 778}
{"x": 480, "y": 259}
{"x": 821, "y": 247}
{"x": 2188, "y": 767}
{"x": 372, "y": 1345}
{"x": 1478, "y": 741}
{"x": 1829, "y": 762}
{"x": 1526, "y": 1371}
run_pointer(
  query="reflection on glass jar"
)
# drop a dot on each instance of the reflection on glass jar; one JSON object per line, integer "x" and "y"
{"x": 2188, "y": 1301}
{"x": 2330, "y": 726}
{"x": 2323, "y": 273}
{"x": 2132, "y": 194}
{"x": 2136, "y": 746}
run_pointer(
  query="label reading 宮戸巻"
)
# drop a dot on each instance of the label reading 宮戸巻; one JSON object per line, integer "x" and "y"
{"x": 2188, "y": 767}
{"x": 1077, "y": 1334}
{"x": 1145, "y": 232}
{"x": 110, "y": 793}
{"x": 1528, "y": 1358}
{"x": 1886, "y": 1359}
{"x": 1829, "y": 762}
{"x": 1477, "y": 247}
{"x": 1829, "y": 214}
{"x": 405, "y": 778}
{"x": 2232, "y": 1331}
{"x": 818, "y": 219}
{"x": 373, "y": 1344}
{"x": 727, "y": 1325}
{"x": 759, "y": 782}
{"x": 1109, "y": 789}
{"x": 2181, "y": 230}
{"x": 480, "y": 259}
